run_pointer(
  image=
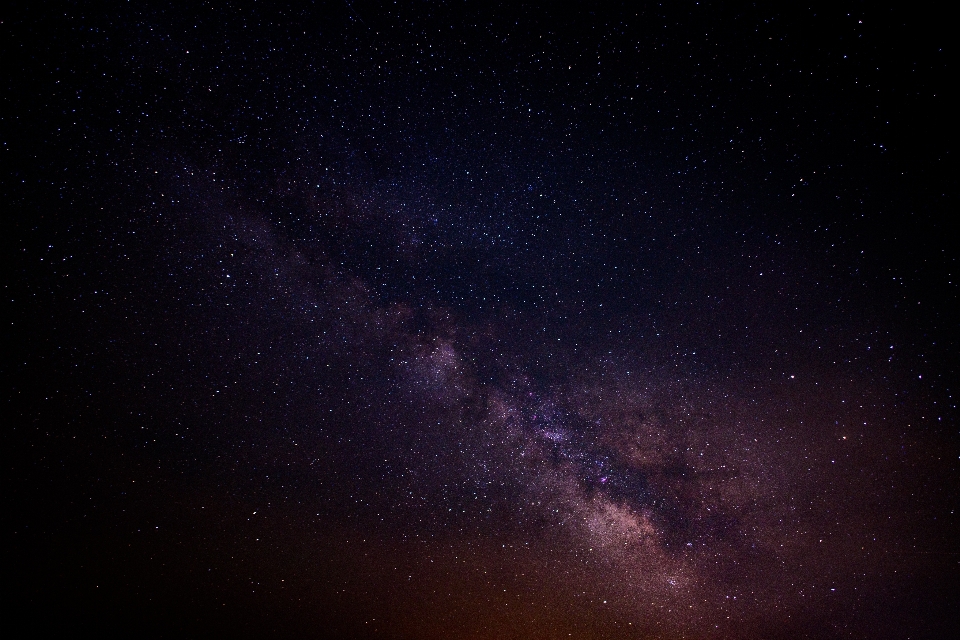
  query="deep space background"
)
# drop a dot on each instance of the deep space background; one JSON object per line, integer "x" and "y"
{"x": 422, "y": 320}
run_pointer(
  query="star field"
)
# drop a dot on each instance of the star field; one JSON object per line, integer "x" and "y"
{"x": 458, "y": 321}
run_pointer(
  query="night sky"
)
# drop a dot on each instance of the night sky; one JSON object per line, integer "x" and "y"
{"x": 424, "y": 321}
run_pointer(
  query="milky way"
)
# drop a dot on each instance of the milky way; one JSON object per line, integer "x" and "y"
{"x": 431, "y": 322}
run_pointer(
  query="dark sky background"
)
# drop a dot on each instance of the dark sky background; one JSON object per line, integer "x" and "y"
{"x": 358, "y": 320}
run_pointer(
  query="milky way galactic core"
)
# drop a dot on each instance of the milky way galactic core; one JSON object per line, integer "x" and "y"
{"x": 430, "y": 321}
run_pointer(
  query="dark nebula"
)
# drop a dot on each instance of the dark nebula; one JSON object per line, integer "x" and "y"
{"x": 426, "y": 320}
